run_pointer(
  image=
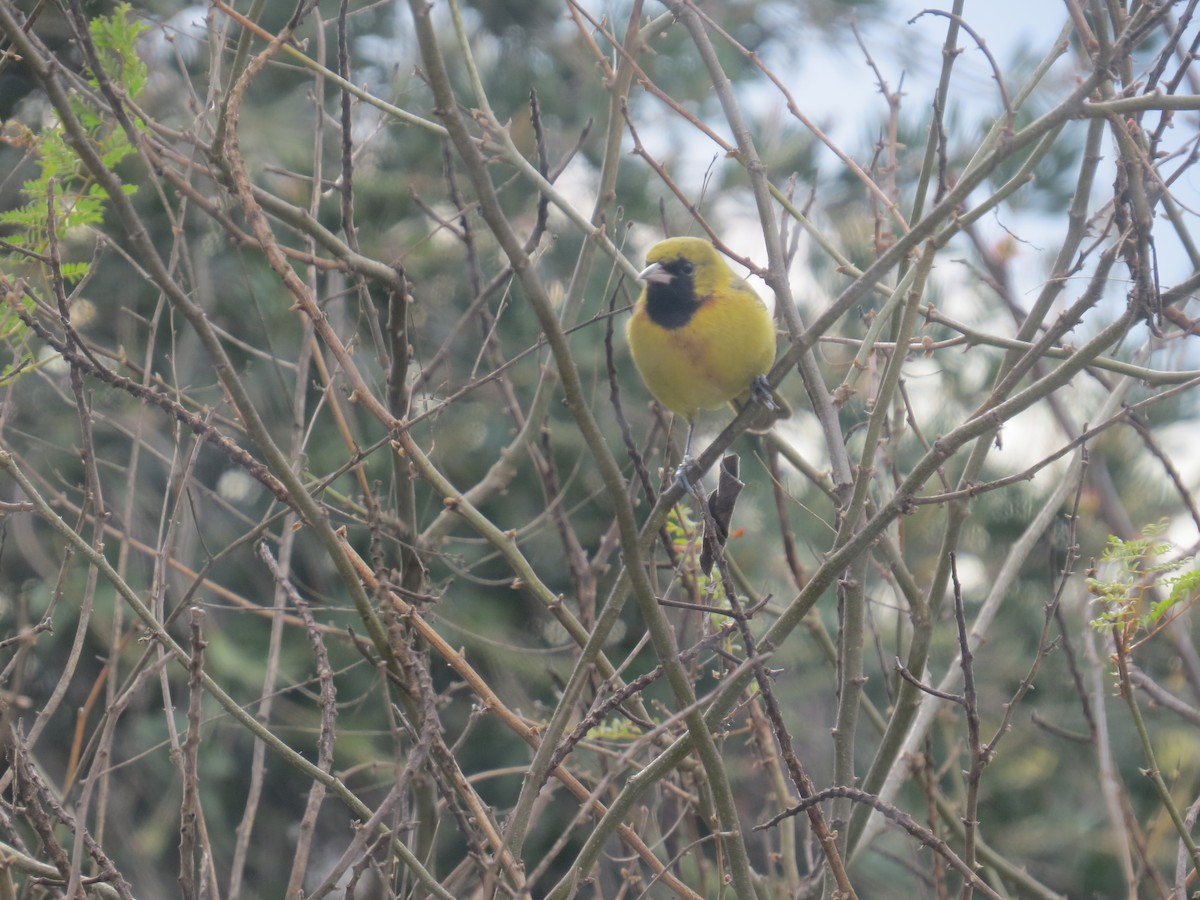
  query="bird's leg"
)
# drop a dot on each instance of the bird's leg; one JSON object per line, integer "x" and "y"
{"x": 687, "y": 442}
{"x": 684, "y": 464}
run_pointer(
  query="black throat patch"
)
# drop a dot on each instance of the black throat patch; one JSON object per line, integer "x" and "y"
{"x": 672, "y": 305}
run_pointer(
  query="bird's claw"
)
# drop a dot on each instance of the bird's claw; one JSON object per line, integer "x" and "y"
{"x": 760, "y": 390}
{"x": 681, "y": 478}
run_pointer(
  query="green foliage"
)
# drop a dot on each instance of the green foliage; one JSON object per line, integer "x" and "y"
{"x": 616, "y": 728}
{"x": 116, "y": 40}
{"x": 79, "y": 202}
{"x": 1137, "y": 568}
{"x": 687, "y": 540}
{"x": 684, "y": 536}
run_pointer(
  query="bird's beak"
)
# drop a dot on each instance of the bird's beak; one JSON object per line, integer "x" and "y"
{"x": 656, "y": 273}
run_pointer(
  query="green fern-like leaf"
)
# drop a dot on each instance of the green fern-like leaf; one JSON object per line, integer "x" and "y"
{"x": 116, "y": 38}
{"x": 1138, "y": 567}
{"x": 79, "y": 202}
{"x": 74, "y": 271}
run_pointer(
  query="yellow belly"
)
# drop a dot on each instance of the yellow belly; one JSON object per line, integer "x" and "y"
{"x": 709, "y": 361}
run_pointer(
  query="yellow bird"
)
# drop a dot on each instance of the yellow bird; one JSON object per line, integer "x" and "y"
{"x": 700, "y": 336}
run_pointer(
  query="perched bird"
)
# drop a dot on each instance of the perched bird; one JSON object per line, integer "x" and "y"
{"x": 700, "y": 336}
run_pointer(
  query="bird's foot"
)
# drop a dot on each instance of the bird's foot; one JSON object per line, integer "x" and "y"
{"x": 681, "y": 474}
{"x": 760, "y": 390}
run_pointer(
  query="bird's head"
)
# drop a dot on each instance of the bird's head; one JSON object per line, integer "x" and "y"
{"x": 685, "y": 268}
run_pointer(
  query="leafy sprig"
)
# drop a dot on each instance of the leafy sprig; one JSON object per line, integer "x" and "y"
{"x": 1138, "y": 569}
{"x": 79, "y": 202}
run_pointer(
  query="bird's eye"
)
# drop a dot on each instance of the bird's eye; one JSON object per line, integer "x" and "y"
{"x": 686, "y": 268}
